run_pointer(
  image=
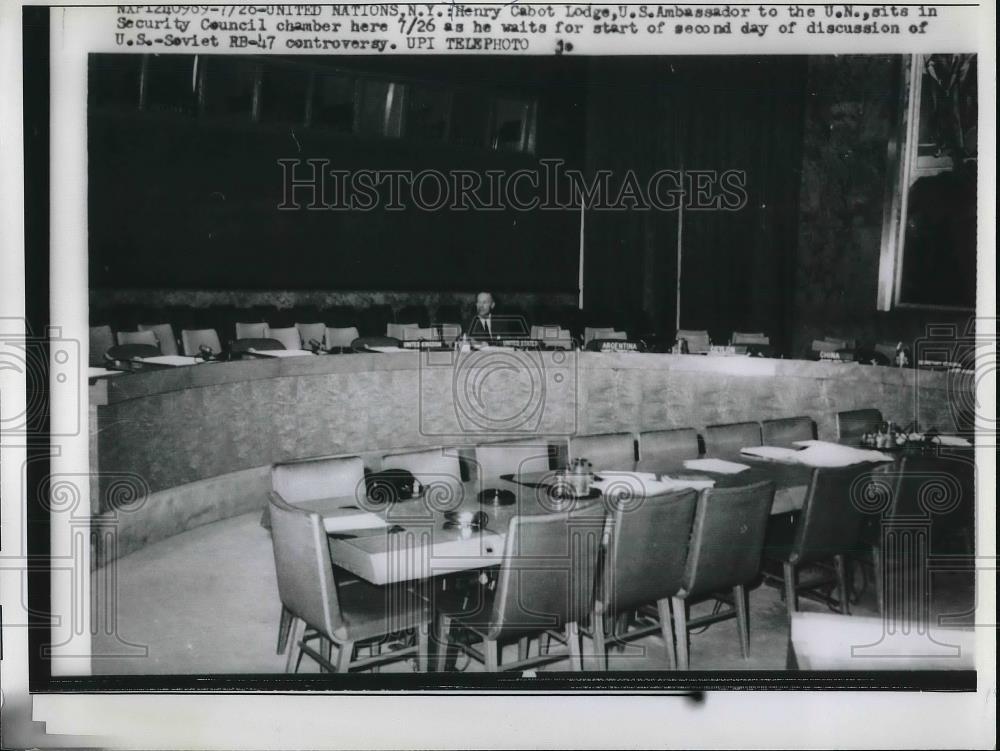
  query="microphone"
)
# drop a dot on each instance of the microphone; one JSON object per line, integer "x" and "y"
{"x": 315, "y": 346}
{"x": 206, "y": 352}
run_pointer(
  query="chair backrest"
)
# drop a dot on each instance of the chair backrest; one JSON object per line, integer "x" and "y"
{"x": 192, "y": 339}
{"x": 647, "y": 551}
{"x": 139, "y": 337}
{"x": 545, "y": 331}
{"x": 828, "y": 345}
{"x": 341, "y": 337}
{"x": 395, "y": 330}
{"x": 242, "y": 346}
{"x": 606, "y": 451}
{"x": 449, "y": 332}
{"x": 668, "y": 446}
{"x": 164, "y": 336}
{"x": 786, "y": 430}
{"x": 306, "y": 583}
{"x": 727, "y": 440}
{"x": 547, "y": 572}
{"x": 101, "y": 340}
{"x": 697, "y": 340}
{"x": 512, "y": 458}
{"x": 121, "y": 352}
{"x": 251, "y": 331}
{"x": 288, "y": 336}
{"x": 327, "y": 477}
{"x": 746, "y": 337}
{"x": 597, "y": 332}
{"x": 309, "y": 331}
{"x": 411, "y": 334}
{"x": 432, "y": 465}
{"x": 362, "y": 343}
{"x": 852, "y": 424}
{"x": 831, "y": 517}
{"x": 940, "y": 488}
{"x": 727, "y": 538}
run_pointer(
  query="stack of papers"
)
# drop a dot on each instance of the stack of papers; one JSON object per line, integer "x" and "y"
{"x": 339, "y": 520}
{"x": 172, "y": 360}
{"x": 825, "y": 454}
{"x": 950, "y": 440}
{"x": 775, "y": 453}
{"x": 681, "y": 483}
{"x": 721, "y": 466}
{"x": 387, "y": 350}
{"x": 280, "y": 352}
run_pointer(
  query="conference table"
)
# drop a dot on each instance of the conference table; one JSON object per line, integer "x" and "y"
{"x": 412, "y": 539}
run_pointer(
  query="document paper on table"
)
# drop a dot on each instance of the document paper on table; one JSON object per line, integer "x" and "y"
{"x": 721, "y": 466}
{"x": 825, "y": 454}
{"x": 345, "y": 519}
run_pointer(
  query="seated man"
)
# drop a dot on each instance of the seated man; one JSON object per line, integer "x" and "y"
{"x": 488, "y": 328}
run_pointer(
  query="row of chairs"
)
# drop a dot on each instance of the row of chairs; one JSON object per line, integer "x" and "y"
{"x": 701, "y": 562}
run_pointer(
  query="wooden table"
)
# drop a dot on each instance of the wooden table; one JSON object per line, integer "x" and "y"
{"x": 416, "y": 545}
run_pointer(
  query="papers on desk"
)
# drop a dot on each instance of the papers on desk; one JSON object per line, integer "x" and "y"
{"x": 342, "y": 519}
{"x": 636, "y": 484}
{"x": 387, "y": 350}
{"x": 682, "y": 483}
{"x": 950, "y": 440}
{"x": 774, "y": 453}
{"x": 102, "y": 372}
{"x": 720, "y": 466}
{"x": 279, "y": 352}
{"x": 826, "y": 454}
{"x": 174, "y": 361}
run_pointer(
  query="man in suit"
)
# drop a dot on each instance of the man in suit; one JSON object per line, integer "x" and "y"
{"x": 482, "y": 327}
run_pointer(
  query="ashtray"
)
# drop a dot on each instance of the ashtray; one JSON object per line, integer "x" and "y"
{"x": 497, "y": 497}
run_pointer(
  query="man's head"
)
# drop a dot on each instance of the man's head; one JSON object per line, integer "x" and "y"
{"x": 484, "y": 304}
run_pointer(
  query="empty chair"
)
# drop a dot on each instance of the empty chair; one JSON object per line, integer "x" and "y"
{"x": 341, "y": 338}
{"x": 139, "y": 337}
{"x": 164, "y": 336}
{"x": 545, "y": 583}
{"x": 667, "y": 448}
{"x": 448, "y": 332}
{"x": 727, "y": 440}
{"x": 786, "y": 431}
{"x": 251, "y": 331}
{"x": 288, "y": 336}
{"x": 512, "y": 458}
{"x": 346, "y": 616}
{"x": 416, "y": 314}
{"x": 553, "y": 336}
{"x": 606, "y": 451}
{"x": 311, "y": 332}
{"x": 724, "y": 554}
{"x": 248, "y": 346}
{"x": 101, "y": 340}
{"x": 310, "y": 480}
{"x": 697, "y": 340}
{"x": 828, "y": 345}
{"x": 193, "y": 340}
{"x": 433, "y": 465}
{"x": 643, "y": 565}
{"x": 746, "y": 337}
{"x": 598, "y": 332}
{"x": 827, "y": 529}
{"x": 852, "y": 424}
{"x": 396, "y": 330}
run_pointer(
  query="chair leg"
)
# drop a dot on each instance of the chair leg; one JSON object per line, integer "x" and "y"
{"x": 325, "y": 649}
{"x": 791, "y": 601}
{"x": 841, "y": 566}
{"x": 283, "y": 628}
{"x": 344, "y": 656}
{"x": 423, "y": 642}
{"x": 742, "y": 618}
{"x": 681, "y": 631}
{"x": 598, "y": 660}
{"x": 491, "y": 651}
{"x": 666, "y": 628}
{"x": 441, "y": 642}
{"x": 522, "y": 647}
{"x": 573, "y": 642}
{"x": 293, "y": 645}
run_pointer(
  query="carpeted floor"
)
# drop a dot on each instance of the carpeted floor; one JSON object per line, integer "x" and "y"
{"x": 206, "y": 602}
